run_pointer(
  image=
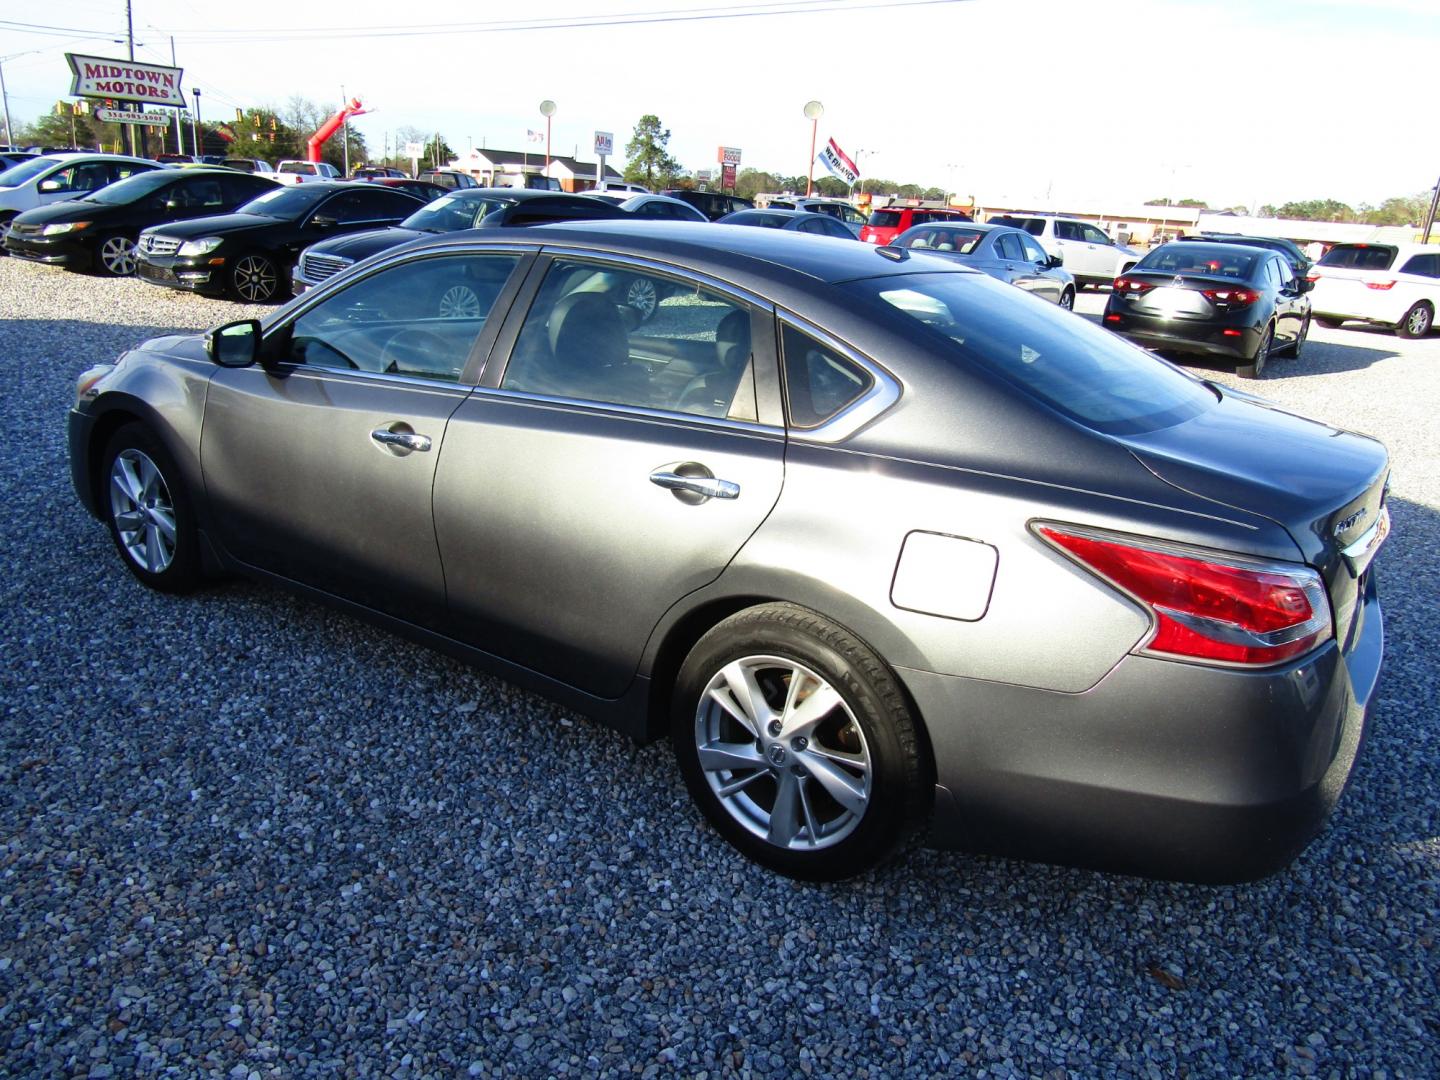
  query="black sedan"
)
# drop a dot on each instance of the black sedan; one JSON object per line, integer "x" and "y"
{"x": 801, "y": 221}
{"x": 1225, "y": 301}
{"x": 99, "y": 231}
{"x": 887, "y": 548}
{"x": 453, "y": 211}
{"x": 1003, "y": 252}
{"x": 248, "y": 254}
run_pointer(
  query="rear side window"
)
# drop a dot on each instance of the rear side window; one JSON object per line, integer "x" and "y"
{"x": 1033, "y": 226}
{"x": 884, "y": 219}
{"x": 1359, "y": 257}
{"x": 819, "y": 381}
{"x": 1075, "y": 367}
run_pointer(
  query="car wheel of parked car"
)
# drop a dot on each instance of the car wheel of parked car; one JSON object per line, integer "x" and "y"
{"x": 795, "y": 740}
{"x": 1417, "y": 321}
{"x": 1067, "y": 299}
{"x": 115, "y": 256}
{"x": 1296, "y": 349}
{"x": 460, "y": 302}
{"x": 149, "y": 512}
{"x": 254, "y": 279}
{"x": 1329, "y": 323}
{"x": 1253, "y": 369}
{"x": 643, "y": 297}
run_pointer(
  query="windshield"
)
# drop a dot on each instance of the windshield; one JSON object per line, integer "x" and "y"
{"x": 286, "y": 202}
{"x": 1355, "y": 256}
{"x": 1077, "y": 368}
{"x": 450, "y": 213}
{"x": 132, "y": 188}
{"x": 26, "y": 170}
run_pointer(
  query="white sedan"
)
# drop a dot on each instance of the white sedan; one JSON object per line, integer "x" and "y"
{"x": 1395, "y": 285}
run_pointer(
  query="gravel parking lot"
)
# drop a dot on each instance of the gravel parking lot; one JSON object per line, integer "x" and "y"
{"x": 242, "y": 835}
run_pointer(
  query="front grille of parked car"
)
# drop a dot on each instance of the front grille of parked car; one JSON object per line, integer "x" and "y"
{"x": 159, "y": 245}
{"x": 319, "y": 267}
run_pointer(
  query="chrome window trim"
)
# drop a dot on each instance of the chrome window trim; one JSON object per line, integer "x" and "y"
{"x": 639, "y": 412}
{"x": 461, "y": 389}
{"x": 884, "y": 389}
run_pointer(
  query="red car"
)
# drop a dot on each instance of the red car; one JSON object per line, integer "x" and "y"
{"x": 885, "y": 225}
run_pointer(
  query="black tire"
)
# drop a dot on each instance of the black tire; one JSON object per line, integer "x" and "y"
{"x": 1298, "y": 346}
{"x": 255, "y": 278}
{"x": 134, "y": 518}
{"x": 1417, "y": 321}
{"x": 5, "y": 222}
{"x": 1256, "y": 367}
{"x": 115, "y": 255}
{"x": 1067, "y": 299}
{"x": 871, "y": 714}
{"x": 1329, "y": 322}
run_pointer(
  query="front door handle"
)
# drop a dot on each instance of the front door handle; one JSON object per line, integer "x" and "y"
{"x": 707, "y": 487}
{"x": 400, "y": 440}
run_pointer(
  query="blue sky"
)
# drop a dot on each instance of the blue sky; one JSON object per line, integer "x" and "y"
{"x": 1021, "y": 100}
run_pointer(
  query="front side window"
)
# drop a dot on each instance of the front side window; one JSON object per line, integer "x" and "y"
{"x": 1033, "y": 251}
{"x": 1075, "y": 367}
{"x": 91, "y": 176}
{"x": 819, "y": 381}
{"x": 1007, "y": 246}
{"x": 419, "y": 319}
{"x": 197, "y": 194}
{"x": 353, "y": 207}
{"x": 1093, "y": 235}
{"x": 587, "y": 337}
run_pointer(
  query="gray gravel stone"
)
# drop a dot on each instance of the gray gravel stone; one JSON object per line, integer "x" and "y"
{"x": 242, "y": 835}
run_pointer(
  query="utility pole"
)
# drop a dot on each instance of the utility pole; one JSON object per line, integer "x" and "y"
{"x": 130, "y": 106}
{"x": 5, "y": 97}
{"x": 1430, "y": 217}
{"x": 179, "y": 149}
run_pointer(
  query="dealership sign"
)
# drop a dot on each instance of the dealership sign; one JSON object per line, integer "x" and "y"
{"x": 604, "y": 143}
{"x": 125, "y": 80}
{"x": 729, "y": 155}
{"x": 120, "y": 116}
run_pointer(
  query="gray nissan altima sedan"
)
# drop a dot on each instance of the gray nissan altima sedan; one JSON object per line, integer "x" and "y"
{"x": 889, "y": 550}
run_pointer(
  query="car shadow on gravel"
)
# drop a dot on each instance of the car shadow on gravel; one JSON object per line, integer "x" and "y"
{"x": 1320, "y": 358}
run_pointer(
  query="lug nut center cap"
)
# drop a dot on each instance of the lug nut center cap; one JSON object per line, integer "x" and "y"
{"x": 776, "y": 754}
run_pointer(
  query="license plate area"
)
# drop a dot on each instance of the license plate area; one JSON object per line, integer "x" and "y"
{"x": 1170, "y": 302}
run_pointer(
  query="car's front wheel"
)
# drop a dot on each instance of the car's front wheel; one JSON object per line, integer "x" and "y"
{"x": 255, "y": 279}
{"x": 148, "y": 511}
{"x": 795, "y": 741}
{"x": 115, "y": 256}
{"x": 1417, "y": 321}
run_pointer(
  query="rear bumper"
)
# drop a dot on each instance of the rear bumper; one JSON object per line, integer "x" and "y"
{"x": 1163, "y": 769}
{"x": 1178, "y": 335}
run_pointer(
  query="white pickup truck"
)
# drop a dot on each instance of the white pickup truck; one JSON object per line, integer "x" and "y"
{"x": 297, "y": 172}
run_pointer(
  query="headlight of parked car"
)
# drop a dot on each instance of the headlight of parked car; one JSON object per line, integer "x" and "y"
{"x": 203, "y": 246}
{"x": 64, "y": 227}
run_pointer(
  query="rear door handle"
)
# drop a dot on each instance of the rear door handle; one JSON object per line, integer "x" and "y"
{"x": 707, "y": 487}
{"x": 400, "y": 440}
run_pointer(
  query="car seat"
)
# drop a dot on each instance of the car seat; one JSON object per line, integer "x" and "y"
{"x": 710, "y": 394}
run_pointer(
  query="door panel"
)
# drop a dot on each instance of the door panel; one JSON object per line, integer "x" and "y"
{"x": 560, "y": 552}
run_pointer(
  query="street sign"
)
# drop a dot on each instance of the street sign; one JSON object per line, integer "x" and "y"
{"x": 414, "y": 149}
{"x": 120, "y": 116}
{"x": 604, "y": 143}
{"x": 125, "y": 80}
{"x": 729, "y": 155}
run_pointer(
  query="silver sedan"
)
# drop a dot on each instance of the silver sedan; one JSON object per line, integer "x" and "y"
{"x": 998, "y": 250}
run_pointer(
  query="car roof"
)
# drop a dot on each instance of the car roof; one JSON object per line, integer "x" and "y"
{"x": 1226, "y": 248}
{"x": 715, "y": 249}
{"x": 72, "y": 155}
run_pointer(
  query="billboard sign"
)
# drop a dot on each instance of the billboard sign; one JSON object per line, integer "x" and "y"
{"x": 729, "y": 155}
{"x": 125, "y": 80}
{"x": 727, "y": 175}
{"x": 604, "y": 143}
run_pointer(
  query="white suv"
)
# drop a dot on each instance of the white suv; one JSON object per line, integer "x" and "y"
{"x": 300, "y": 172}
{"x": 1396, "y": 285}
{"x": 54, "y": 177}
{"x": 1091, "y": 257}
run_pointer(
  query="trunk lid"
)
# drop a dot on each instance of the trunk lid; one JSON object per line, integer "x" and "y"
{"x": 1324, "y": 485}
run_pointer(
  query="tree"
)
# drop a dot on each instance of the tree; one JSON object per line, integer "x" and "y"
{"x": 647, "y": 160}
{"x": 750, "y": 182}
{"x": 1198, "y": 204}
{"x": 304, "y": 118}
{"x": 1316, "y": 210}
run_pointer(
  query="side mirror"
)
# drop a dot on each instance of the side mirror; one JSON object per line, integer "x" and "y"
{"x": 49, "y": 186}
{"x": 1306, "y": 285}
{"x": 323, "y": 221}
{"x": 1055, "y": 261}
{"x": 234, "y": 345}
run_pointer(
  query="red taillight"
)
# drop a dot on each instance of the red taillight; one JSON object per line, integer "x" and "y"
{"x": 1206, "y": 609}
{"x": 1125, "y": 284}
{"x": 1231, "y": 297}
{"x": 1112, "y": 318}
{"x": 1381, "y": 285}
{"x": 1312, "y": 277}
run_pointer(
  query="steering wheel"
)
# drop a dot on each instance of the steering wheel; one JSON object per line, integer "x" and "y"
{"x": 420, "y": 352}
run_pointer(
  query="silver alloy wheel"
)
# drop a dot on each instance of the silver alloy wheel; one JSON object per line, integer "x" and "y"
{"x": 642, "y": 296}
{"x": 1067, "y": 300}
{"x": 255, "y": 278}
{"x": 117, "y": 255}
{"x": 143, "y": 511}
{"x": 459, "y": 302}
{"x": 783, "y": 753}
{"x": 1417, "y": 322}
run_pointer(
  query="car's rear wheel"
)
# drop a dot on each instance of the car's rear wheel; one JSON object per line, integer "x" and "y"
{"x": 795, "y": 741}
{"x": 149, "y": 512}
{"x": 1329, "y": 322}
{"x": 115, "y": 256}
{"x": 1417, "y": 321}
{"x": 255, "y": 279}
{"x": 1256, "y": 366}
{"x": 1067, "y": 299}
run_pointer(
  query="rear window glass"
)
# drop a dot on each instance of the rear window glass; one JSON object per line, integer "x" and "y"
{"x": 298, "y": 167}
{"x": 884, "y": 219}
{"x": 1359, "y": 256}
{"x": 942, "y": 239}
{"x": 1034, "y": 226}
{"x": 1076, "y": 367}
{"x": 1220, "y": 260}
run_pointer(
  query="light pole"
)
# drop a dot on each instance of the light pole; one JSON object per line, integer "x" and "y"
{"x": 195, "y": 124}
{"x": 345, "y": 132}
{"x": 547, "y": 110}
{"x": 860, "y": 155}
{"x": 813, "y": 111}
